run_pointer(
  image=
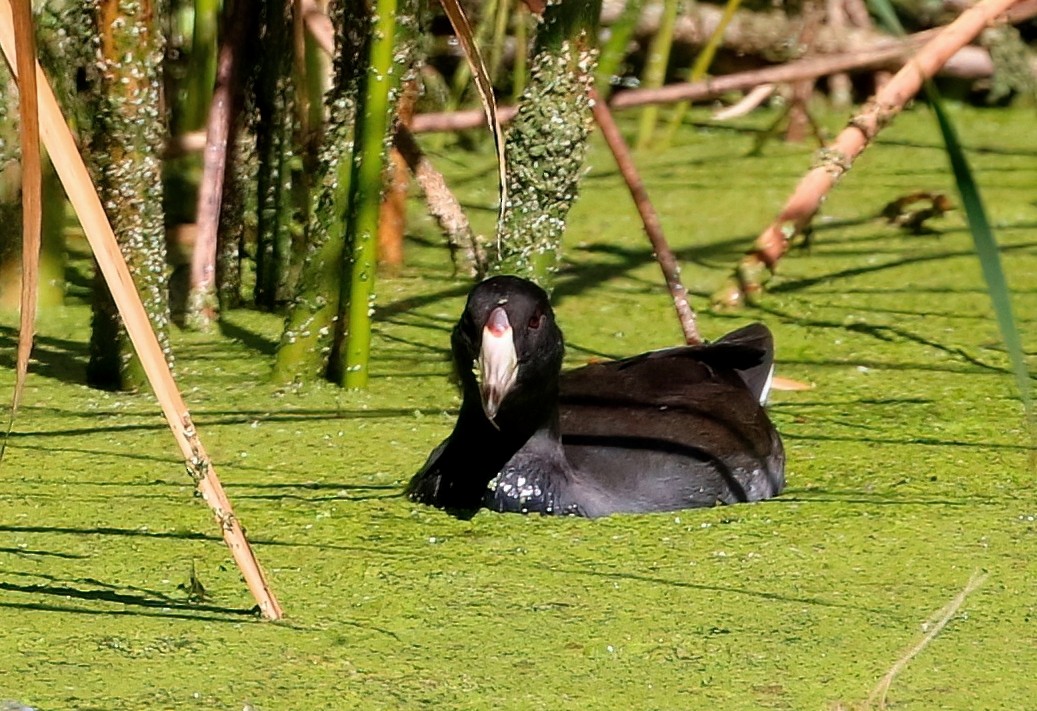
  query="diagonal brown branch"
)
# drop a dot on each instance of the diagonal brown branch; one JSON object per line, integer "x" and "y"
{"x": 838, "y": 156}
{"x": 442, "y": 205}
{"x": 68, "y": 164}
{"x": 653, "y": 227}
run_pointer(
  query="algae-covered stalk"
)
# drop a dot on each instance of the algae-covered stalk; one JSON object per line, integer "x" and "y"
{"x": 350, "y": 364}
{"x": 237, "y": 221}
{"x": 123, "y": 150}
{"x": 331, "y": 311}
{"x": 547, "y": 142}
{"x": 307, "y": 336}
{"x": 275, "y": 100}
{"x": 521, "y": 39}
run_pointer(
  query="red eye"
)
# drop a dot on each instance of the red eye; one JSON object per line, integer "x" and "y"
{"x": 536, "y": 321}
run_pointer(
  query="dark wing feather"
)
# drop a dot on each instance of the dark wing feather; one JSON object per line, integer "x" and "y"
{"x": 749, "y": 352}
{"x": 677, "y": 427}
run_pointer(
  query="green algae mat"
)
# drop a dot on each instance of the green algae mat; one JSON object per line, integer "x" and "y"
{"x": 909, "y": 471}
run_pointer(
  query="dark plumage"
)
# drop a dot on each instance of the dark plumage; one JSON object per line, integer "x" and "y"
{"x": 665, "y": 430}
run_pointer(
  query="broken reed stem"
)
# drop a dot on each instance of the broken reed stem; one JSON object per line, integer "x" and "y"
{"x": 319, "y": 25}
{"x": 653, "y": 227}
{"x": 442, "y": 205}
{"x": 838, "y": 157}
{"x": 68, "y": 163}
{"x": 938, "y": 622}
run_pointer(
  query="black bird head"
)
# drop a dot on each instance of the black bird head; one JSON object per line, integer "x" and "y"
{"x": 508, "y": 349}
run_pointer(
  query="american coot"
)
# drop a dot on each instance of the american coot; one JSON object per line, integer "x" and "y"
{"x": 664, "y": 430}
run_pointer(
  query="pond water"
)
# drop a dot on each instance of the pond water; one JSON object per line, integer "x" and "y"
{"x": 909, "y": 470}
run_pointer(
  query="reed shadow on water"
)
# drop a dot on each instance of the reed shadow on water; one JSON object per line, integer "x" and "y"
{"x": 213, "y": 418}
{"x": 93, "y": 590}
{"x": 787, "y": 286}
{"x": 54, "y": 358}
{"x": 724, "y": 589}
{"x": 250, "y": 339}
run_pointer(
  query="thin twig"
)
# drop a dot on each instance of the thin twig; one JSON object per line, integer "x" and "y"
{"x": 653, "y": 227}
{"x": 319, "y": 25}
{"x": 749, "y": 102}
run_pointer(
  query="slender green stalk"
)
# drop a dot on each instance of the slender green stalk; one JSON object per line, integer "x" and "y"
{"x": 358, "y": 287}
{"x": 316, "y": 70}
{"x": 462, "y": 78}
{"x": 10, "y": 240}
{"x": 655, "y": 72}
{"x": 201, "y": 71}
{"x": 275, "y": 145}
{"x": 614, "y": 51}
{"x": 52, "y": 255}
{"x": 10, "y": 197}
{"x": 461, "y": 81}
{"x": 500, "y": 30}
{"x": 987, "y": 250}
{"x": 701, "y": 66}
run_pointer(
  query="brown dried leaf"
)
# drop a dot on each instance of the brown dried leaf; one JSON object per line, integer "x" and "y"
{"x": 25, "y": 59}
{"x": 788, "y": 384}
